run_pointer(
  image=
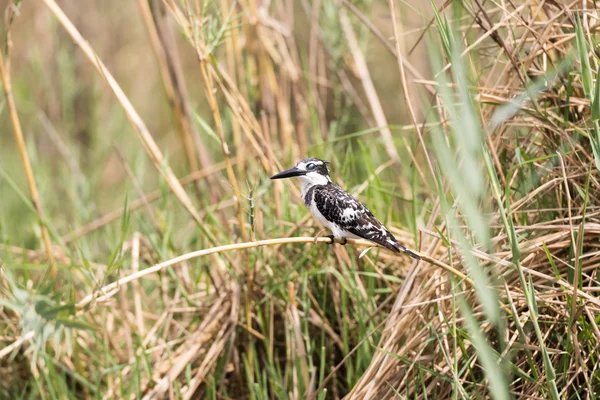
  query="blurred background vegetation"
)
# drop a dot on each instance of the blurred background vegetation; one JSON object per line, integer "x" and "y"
{"x": 151, "y": 127}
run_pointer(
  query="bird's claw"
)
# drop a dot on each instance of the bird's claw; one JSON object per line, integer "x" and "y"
{"x": 332, "y": 238}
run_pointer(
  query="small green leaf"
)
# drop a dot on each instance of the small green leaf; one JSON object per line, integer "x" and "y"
{"x": 582, "y": 49}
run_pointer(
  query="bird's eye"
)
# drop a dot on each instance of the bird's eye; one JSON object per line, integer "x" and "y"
{"x": 310, "y": 166}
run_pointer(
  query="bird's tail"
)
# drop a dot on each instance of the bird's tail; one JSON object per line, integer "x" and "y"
{"x": 397, "y": 248}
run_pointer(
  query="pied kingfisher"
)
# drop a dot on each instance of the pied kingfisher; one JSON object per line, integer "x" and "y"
{"x": 345, "y": 216}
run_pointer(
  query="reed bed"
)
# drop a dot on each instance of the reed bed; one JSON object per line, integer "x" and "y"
{"x": 144, "y": 252}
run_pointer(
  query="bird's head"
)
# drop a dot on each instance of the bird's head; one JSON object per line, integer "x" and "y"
{"x": 310, "y": 170}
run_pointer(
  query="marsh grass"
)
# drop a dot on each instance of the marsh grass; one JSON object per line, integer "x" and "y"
{"x": 148, "y": 255}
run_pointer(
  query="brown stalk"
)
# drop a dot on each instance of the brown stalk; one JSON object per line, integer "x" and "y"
{"x": 380, "y": 36}
{"x": 108, "y": 291}
{"x": 209, "y": 91}
{"x": 18, "y": 132}
{"x": 367, "y": 82}
{"x": 313, "y": 64}
{"x": 405, "y": 89}
{"x": 211, "y": 327}
{"x": 294, "y": 330}
{"x": 422, "y": 323}
{"x": 137, "y": 123}
{"x": 164, "y": 47}
{"x": 105, "y": 293}
{"x": 232, "y": 55}
{"x": 235, "y": 98}
{"x": 151, "y": 15}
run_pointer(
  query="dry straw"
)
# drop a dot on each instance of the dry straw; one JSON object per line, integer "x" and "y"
{"x": 505, "y": 302}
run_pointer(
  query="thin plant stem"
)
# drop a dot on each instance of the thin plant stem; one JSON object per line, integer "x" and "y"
{"x": 136, "y": 121}
{"x": 16, "y": 124}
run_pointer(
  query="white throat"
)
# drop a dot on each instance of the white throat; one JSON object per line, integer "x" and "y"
{"x": 311, "y": 179}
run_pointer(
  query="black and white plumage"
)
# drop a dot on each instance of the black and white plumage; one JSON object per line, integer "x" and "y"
{"x": 331, "y": 205}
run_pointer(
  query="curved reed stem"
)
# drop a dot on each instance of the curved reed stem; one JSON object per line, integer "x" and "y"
{"x": 111, "y": 289}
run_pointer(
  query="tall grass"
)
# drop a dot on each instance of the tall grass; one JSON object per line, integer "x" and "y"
{"x": 146, "y": 254}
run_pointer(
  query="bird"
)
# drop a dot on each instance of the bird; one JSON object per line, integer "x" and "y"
{"x": 338, "y": 210}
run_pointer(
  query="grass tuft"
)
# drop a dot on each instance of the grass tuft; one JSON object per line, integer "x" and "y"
{"x": 145, "y": 253}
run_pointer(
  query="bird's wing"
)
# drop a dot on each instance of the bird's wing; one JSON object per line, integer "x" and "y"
{"x": 350, "y": 215}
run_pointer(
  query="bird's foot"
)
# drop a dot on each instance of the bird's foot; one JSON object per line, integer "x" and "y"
{"x": 332, "y": 238}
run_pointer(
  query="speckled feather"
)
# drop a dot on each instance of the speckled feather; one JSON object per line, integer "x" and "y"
{"x": 348, "y": 214}
{"x": 336, "y": 209}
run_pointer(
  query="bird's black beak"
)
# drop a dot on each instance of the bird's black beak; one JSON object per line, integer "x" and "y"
{"x": 288, "y": 173}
